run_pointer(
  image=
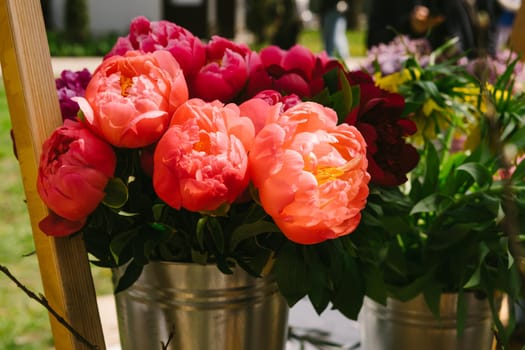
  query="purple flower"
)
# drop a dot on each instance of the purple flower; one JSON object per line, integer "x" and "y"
{"x": 71, "y": 84}
{"x": 491, "y": 68}
{"x": 391, "y": 57}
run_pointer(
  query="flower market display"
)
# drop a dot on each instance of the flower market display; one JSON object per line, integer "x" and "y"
{"x": 179, "y": 150}
{"x": 456, "y": 225}
{"x": 391, "y": 181}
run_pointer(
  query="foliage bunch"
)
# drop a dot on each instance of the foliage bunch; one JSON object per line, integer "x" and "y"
{"x": 456, "y": 226}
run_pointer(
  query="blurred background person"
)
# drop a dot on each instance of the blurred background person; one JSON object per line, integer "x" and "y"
{"x": 505, "y": 21}
{"x": 332, "y": 17}
{"x": 387, "y": 19}
{"x": 288, "y": 24}
{"x": 473, "y": 22}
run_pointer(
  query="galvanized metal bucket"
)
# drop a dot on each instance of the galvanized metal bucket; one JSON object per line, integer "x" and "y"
{"x": 198, "y": 307}
{"x": 412, "y": 326}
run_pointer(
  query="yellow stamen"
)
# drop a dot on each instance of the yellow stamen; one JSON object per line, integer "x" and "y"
{"x": 326, "y": 174}
{"x": 203, "y": 145}
{"x": 125, "y": 84}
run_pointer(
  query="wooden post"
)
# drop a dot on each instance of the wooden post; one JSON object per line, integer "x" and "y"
{"x": 35, "y": 113}
{"x": 517, "y": 37}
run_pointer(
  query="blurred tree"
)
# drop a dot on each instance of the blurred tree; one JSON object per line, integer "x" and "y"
{"x": 47, "y": 13}
{"x": 77, "y": 21}
{"x": 260, "y": 18}
{"x": 288, "y": 24}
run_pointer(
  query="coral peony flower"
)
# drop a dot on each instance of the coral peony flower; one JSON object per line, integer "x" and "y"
{"x": 379, "y": 118}
{"x": 74, "y": 169}
{"x": 260, "y": 112}
{"x": 296, "y": 71}
{"x": 146, "y": 36}
{"x": 310, "y": 173}
{"x": 130, "y": 99}
{"x": 225, "y": 73}
{"x": 200, "y": 163}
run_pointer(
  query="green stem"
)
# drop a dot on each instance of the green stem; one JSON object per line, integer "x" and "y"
{"x": 497, "y": 189}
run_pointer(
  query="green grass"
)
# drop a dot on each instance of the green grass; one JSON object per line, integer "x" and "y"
{"x": 356, "y": 41}
{"x": 24, "y": 324}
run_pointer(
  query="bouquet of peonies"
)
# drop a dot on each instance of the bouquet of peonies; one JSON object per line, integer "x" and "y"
{"x": 180, "y": 150}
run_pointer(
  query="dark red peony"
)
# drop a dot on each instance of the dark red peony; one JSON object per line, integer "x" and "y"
{"x": 379, "y": 118}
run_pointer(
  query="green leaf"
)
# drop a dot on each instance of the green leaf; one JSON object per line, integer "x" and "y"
{"x": 347, "y": 102}
{"x": 475, "y": 278}
{"x": 246, "y": 231}
{"x": 120, "y": 242}
{"x": 331, "y": 80}
{"x": 158, "y": 210}
{"x": 443, "y": 238}
{"x": 518, "y": 138}
{"x": 199, "y": 232}
{"x": 431, "y": 178}
{"x": 349, "y": 295}
{"x": 395, "y": 224}
{"x": 116, "y": 193}
{"x": 411, "y": 290}
{"x": 199, "y": 257}
{"x": 215, "y": 229}
{"x": 519, "y": 172}
{"x": 129, "y": 277}
{"x": 317, "y": 293}
{"x": 461, "y": 313}
{"x": 443, "y": 48}
{"x": 479, "y": 173}
{"x": 502, "y": 331}
{"x": 432, "y": 203}
{"x": 432, "y": 295}
{"x": 291, "y": 273}
{"x": 375, "y": 285}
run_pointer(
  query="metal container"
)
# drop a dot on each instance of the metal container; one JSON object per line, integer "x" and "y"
{"x": 412, "y": 326}
{"x": 200, "y": 308}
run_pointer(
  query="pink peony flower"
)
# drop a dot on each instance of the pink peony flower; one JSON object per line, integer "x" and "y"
{"x": 146, "y": 36}
{"x": 224, "y": 75}
{"x": 266, "y": 107}
{"x": 273, "y": 97}
{"x": 201, "y": 162}
{"x": 310, "y": 173}
{"x": 74, "y": 169}
{"x": 296, "y": 71}
{"x": 130, "y": 99}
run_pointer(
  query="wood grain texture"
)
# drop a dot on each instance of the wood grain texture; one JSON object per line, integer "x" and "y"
{"x": 517, "y": 37}
{"x": 35, "y": 112}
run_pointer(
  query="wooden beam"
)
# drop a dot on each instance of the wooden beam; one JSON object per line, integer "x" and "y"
{"x": 517, "y": 37}
{"x": 33, "y": 106}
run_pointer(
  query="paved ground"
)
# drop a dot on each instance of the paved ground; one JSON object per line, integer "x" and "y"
{"x": 302, "y": 316}
{"x": 72, "y": 63}
{"x": 75, "y": 63}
